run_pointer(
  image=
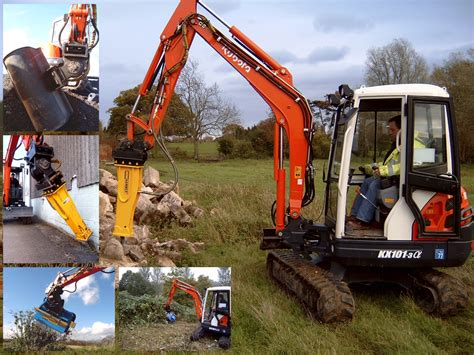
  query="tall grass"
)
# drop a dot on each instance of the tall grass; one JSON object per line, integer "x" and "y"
{"x": 267, "y": 320}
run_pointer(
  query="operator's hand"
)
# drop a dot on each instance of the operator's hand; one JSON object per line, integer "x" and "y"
{"x": 377, "y": 172}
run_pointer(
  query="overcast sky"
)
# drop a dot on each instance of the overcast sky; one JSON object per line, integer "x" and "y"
{"x": 323, "y": 43}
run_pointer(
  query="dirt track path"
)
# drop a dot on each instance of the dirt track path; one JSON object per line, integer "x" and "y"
{"x": 165, "y": 337}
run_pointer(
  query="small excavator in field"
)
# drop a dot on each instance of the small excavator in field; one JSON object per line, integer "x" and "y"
{"x": 425, "y": 220}
{"x": 38, "y": 80}
{"x": 213, "y": 313}
{"x": 49, "y": 180}
{"x": 51, "y": 312}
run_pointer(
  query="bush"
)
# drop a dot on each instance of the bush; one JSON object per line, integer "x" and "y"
{"x": 225, "y": 146}
{"x": 29, "y": 335}
{"x": 148, "y": 309}
{"x": 244, "y": 150}
{"x": 321, "y": 144}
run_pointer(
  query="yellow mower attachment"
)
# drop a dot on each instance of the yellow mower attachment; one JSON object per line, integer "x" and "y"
{"x": 62, "y": 203}
{"x": 129, "y": 179}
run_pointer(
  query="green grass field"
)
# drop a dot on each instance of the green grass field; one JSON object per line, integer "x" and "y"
{"x": 267, "y": 320}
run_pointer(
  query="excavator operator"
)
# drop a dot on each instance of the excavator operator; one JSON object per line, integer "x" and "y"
{"x": 363, "y": 209}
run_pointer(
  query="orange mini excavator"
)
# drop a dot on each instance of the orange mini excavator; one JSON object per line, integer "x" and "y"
{"x": 425, "y": 220}
{"x": 213, "y": 313}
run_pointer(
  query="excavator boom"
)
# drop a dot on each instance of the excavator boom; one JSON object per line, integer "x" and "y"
{"x": 270, "y": 79}
{"x": 51, "y": 312}
{"x": 177, "y": 284}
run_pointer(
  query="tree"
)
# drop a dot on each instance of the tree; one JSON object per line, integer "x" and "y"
{"x": 135, "y": 284}
{"x": 145, "y": 272}
{"x": 224, "y": 276}
{"x": 210, "y": 112}
{"x": 176, "y": 121}
{"x": 157, "y": 279}
{"x": 28, "y": 335}
{"x": 395, "y": 63}
{"x": 456, "y": 75}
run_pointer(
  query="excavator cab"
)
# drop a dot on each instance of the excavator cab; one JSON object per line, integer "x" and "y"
{"x": 415, "y": 210}
{"x": 216, "y": 312}
{"x": 59, "y": 320}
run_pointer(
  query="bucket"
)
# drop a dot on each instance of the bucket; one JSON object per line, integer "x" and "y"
{"x": 47, "y": 108}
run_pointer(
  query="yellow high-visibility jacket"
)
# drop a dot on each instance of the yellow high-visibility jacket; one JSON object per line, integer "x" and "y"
{"x": 391, "y": 165}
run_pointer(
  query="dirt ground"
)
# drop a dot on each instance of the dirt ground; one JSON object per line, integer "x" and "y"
{"x": 84, "y": 119}
{"x": 165, "y": 337}
{"x": 41, "y": 243}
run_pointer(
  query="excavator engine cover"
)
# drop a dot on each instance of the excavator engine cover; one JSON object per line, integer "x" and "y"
{"x": 60, "y": 322}
{"x": 62, "y": 203}
{"x": 48, "y": 108}
{"x": 128, "y": 159}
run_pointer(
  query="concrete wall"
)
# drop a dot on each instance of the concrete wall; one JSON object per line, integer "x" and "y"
{"x": 86, "y": 200}
{"x": 79, "y": 156}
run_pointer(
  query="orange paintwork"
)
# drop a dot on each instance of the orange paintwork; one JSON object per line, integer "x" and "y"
{"x": 7, "y": 162}
{"x": 273, "y": 84}
{"x": 190, "y": 290}
{"x": 53, "y": 51}
{"x": 78, "y": 15}
{"x": 436, "y": 213}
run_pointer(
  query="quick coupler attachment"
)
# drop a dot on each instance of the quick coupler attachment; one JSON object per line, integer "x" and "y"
{"x": 47, "y": 107}
{"x": 61, "y": 322}
{"x": 61, "y": 202}
{"x": 129, "y": 159}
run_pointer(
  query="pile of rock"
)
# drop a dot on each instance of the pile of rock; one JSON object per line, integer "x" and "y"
{"x": 151, "y": 208}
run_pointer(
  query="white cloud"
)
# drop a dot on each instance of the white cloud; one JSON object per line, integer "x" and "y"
{"x": 8, "y": 330}
{"x": 97, "y": 331}
{"x": 87, "y": 290}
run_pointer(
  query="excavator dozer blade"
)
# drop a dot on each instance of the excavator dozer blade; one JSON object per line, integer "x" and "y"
{"x": 59, "y": 322}
{"x": 129, "y": 183}
{"x": 62, "y": 202}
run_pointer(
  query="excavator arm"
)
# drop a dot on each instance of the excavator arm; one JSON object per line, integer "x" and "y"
{"x": 272, "y": 81}
{"x": 51, "y": 312}
{"x": 177, "y": 284}
{"x": 49, "y": 180}
{"x": 73, "y": 53}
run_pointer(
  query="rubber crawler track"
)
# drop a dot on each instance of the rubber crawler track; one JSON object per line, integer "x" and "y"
{"x": 452, "y": 295}
{"x": 328, "y": 299}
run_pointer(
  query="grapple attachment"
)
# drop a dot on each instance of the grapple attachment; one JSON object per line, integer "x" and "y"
{"x": 170, "y": 316}
{"x": 61, "y": 322}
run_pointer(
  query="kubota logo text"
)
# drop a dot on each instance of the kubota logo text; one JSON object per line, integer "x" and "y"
{"x": 400, "y": 254}
{"x": 228, "y": 53}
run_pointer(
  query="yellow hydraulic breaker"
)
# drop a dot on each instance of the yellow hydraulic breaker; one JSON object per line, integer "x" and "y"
{"x": 61, "y": 202}
{"x": 129, "y": 183}
{"x": 129, "y": 158}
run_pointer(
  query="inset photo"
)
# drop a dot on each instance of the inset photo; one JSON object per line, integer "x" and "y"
{"x": 59, "y": 309}
{"x": 174, "y": 309}
{"x": 50, "y": 199}
{"x": 51, "y": 68}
